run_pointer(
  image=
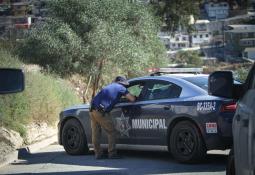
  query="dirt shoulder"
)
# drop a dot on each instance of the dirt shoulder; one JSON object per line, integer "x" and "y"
{"x": 11, "y": 140}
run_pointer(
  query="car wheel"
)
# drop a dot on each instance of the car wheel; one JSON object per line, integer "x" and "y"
{"x": 74, "y": 138}
{"x": 230, "y": 170}
{"x": 186, "y": 143}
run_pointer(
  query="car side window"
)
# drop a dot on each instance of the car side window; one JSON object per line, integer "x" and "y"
{"x": 136, "y": 89}
{"x": 162, "y": 90}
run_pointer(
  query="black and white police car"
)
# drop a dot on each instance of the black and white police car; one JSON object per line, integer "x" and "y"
{"x": 173, "y": 113}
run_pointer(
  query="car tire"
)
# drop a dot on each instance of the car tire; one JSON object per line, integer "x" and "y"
{"x": 186, "y": 143}
{"x": 230, "y": 170}
{"x": 74, "y": 138}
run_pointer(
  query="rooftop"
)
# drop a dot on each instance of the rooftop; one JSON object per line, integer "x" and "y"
{"x": 243, "y": 26}
{"x": 202, "y": 21}
{"x": 247, "y": 39}
{"x": 241, "y": 31}
{"x": 249, "y": 49}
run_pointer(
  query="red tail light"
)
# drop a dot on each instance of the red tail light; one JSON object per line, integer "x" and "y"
{"x": 229, "y": 107}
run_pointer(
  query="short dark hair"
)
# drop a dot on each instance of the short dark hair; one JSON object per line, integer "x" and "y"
{"x": 121, "y": 80}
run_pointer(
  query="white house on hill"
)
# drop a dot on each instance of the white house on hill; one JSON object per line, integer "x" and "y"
{"x": 217, "y": 10}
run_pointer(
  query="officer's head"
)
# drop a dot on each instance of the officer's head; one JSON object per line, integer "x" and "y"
{"x": 121, "y": 80}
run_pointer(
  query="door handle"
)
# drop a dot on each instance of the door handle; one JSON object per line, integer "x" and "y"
{"x": 166, "y": 108}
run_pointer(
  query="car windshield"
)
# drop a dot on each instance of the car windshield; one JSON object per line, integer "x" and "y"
{"x": 200, "y": 81}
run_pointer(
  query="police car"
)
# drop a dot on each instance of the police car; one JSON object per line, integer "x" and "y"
{"x": 173, "y": 112}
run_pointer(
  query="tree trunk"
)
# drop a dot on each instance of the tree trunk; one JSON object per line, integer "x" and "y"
{"x": 97, "y": 77}
{"x": 86, "y": 90}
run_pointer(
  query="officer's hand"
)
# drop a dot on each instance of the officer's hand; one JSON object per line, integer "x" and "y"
{"x": 131, "y": 97}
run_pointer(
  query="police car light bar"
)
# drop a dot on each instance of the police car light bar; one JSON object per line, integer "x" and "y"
{"x": 177, "y": 70}
{"x": 180, "y": 70}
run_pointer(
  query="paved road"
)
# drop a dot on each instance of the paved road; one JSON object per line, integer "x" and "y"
{"x": 54, "y": 161}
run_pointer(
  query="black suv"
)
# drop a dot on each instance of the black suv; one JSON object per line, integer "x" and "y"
{"x": 242, "y": 156}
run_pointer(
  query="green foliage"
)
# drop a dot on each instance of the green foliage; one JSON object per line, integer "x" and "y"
{"x": 43, "y": 98}
{"x": 177, "y": 13}
{"x": 54, "y": 46}
{"x": 241, "y": 74}
{"x": 8, "y": 60}
{"x": 95, "y": 38}
{"x": 7, "y": 44}
{"x": 191, "y": 58}
{"x": 215, "y": 33}
{"x": 52, "y": 95}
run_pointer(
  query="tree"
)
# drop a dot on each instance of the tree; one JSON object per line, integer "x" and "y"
{"x": 191, "y": 58}
{"x": 177, "y": 13}
{"x": 96, "y": 38}
{"x": 54, "y": 46}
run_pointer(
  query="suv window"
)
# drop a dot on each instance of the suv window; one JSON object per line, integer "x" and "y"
{"x": 162, "y": 90}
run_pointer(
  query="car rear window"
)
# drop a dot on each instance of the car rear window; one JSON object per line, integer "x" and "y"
{"x": 200, "y": 81}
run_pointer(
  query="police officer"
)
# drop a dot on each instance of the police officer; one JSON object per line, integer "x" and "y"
{"x": 101, "y": 106}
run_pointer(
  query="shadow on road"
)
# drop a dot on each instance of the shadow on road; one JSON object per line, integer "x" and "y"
{"x": 133, "y": 162}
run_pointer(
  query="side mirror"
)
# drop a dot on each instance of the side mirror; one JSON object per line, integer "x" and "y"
{"x": 220, "y": 84}
{"x": 11, "y": 81}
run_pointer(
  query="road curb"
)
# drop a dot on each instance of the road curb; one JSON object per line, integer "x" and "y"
{"x": 42, "y": 144}
{"x": 29, "y": 149}
{"x": 9, "y": 158}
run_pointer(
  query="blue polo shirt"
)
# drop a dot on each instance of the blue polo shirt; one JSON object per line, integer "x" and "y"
{"x": 109, "y": 96}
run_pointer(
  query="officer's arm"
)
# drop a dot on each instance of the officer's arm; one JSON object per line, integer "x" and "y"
{"x": 130, "y": 97}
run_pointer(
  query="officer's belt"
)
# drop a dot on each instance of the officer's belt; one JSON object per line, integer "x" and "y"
{"x": 97, "y": 109}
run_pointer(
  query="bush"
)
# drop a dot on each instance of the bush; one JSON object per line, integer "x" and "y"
{"x": 8, "y": 60}
{"x": 44, "y": 97}
{"x": 91, "y": 37}
{"x": 191, "y": 58}
{"x": 241, "y": 74}
{"x": 47, "y": 96}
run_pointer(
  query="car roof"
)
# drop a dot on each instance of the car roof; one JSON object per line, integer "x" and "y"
{"x": 188, "y": 88}
{"x": 170, "y": 77}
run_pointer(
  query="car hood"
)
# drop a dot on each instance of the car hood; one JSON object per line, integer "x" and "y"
{"x": 82, "y": 106}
